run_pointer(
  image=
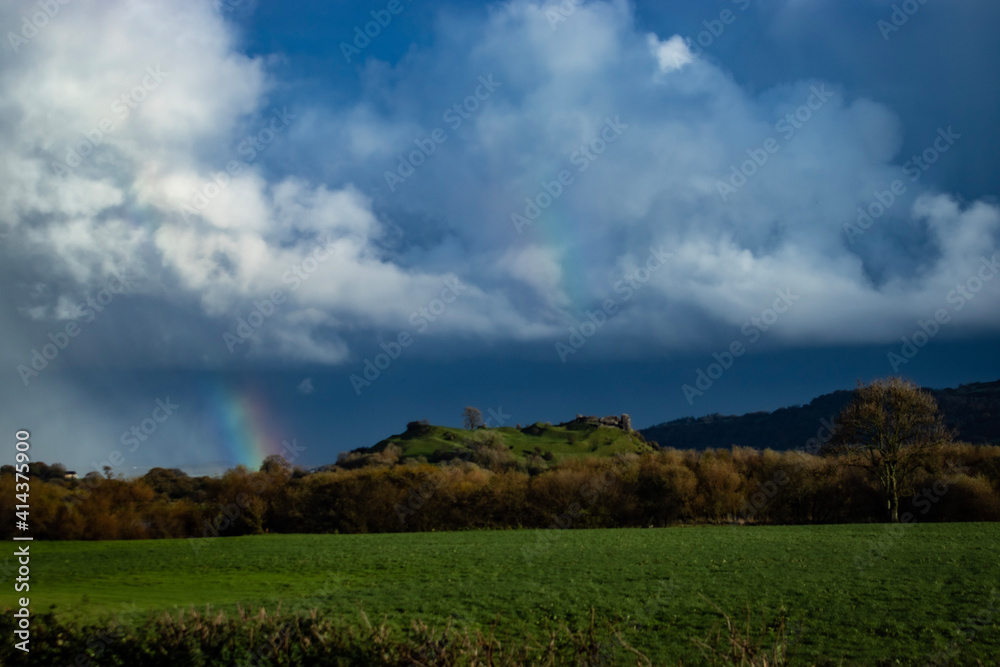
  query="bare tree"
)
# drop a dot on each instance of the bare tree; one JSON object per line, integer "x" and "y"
{"x": 472, "y": 418}
{"x": 890, "y": 429}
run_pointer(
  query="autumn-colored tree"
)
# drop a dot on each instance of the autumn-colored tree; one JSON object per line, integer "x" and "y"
{"x": 890, "y": 429}
{"x": 665, "y": 488}
{"x": 276, "y": 465}
{"x": 386, "y": 493}
{"x": 720, "y": 485}
{"x": 173, "y": 482}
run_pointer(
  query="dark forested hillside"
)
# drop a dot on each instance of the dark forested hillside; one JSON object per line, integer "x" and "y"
{"x": 973, "y": 410}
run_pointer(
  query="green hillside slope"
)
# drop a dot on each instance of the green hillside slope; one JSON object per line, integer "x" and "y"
{"x": 551, "y": 442}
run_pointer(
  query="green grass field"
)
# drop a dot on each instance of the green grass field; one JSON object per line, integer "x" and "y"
{"x": 932, "y": 587}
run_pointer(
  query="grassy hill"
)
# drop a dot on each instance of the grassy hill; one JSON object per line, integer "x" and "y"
{"x": 538, "y": 439}
{"x": 972, "y": 410}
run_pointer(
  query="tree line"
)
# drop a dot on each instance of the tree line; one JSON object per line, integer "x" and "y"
{"x": 961, "y": 483}
{"x": 889, "y": 459}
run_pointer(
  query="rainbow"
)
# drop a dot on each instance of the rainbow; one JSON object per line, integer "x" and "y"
{"x": 553, "y": 229}
{"x": 559, "y": 230}
{"x": 243, "y": 426}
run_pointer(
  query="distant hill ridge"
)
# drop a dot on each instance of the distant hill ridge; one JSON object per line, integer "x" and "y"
{"x": 973, "y": 410}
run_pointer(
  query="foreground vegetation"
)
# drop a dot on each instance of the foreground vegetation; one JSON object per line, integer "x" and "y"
{"x": 388, "y": 494}
{"x": 851, "y": 595}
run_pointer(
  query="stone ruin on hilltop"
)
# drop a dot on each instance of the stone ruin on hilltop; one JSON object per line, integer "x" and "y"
{"x": 624, "y": 422}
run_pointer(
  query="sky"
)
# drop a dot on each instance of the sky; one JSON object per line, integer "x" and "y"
{"x": 232, "y": 229}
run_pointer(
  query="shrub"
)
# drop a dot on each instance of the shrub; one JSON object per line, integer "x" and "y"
{"x": 282, "y": 639}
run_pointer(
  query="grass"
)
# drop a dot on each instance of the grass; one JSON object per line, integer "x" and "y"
{"x": 561, "y": 441}
{"x": 930, "y": 588}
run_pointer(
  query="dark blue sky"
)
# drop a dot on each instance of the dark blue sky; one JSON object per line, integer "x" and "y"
{"x": 550, "y": 208}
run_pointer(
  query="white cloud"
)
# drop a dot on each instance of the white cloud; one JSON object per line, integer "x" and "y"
{"x": 672, "y": 54}
{"x": 144, "y": 106}
{"x": 385, "y": 254}
{"x": 539, "y": 268}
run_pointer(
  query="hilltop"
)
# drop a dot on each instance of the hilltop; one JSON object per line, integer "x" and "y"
{"x": 582, "y": 436}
